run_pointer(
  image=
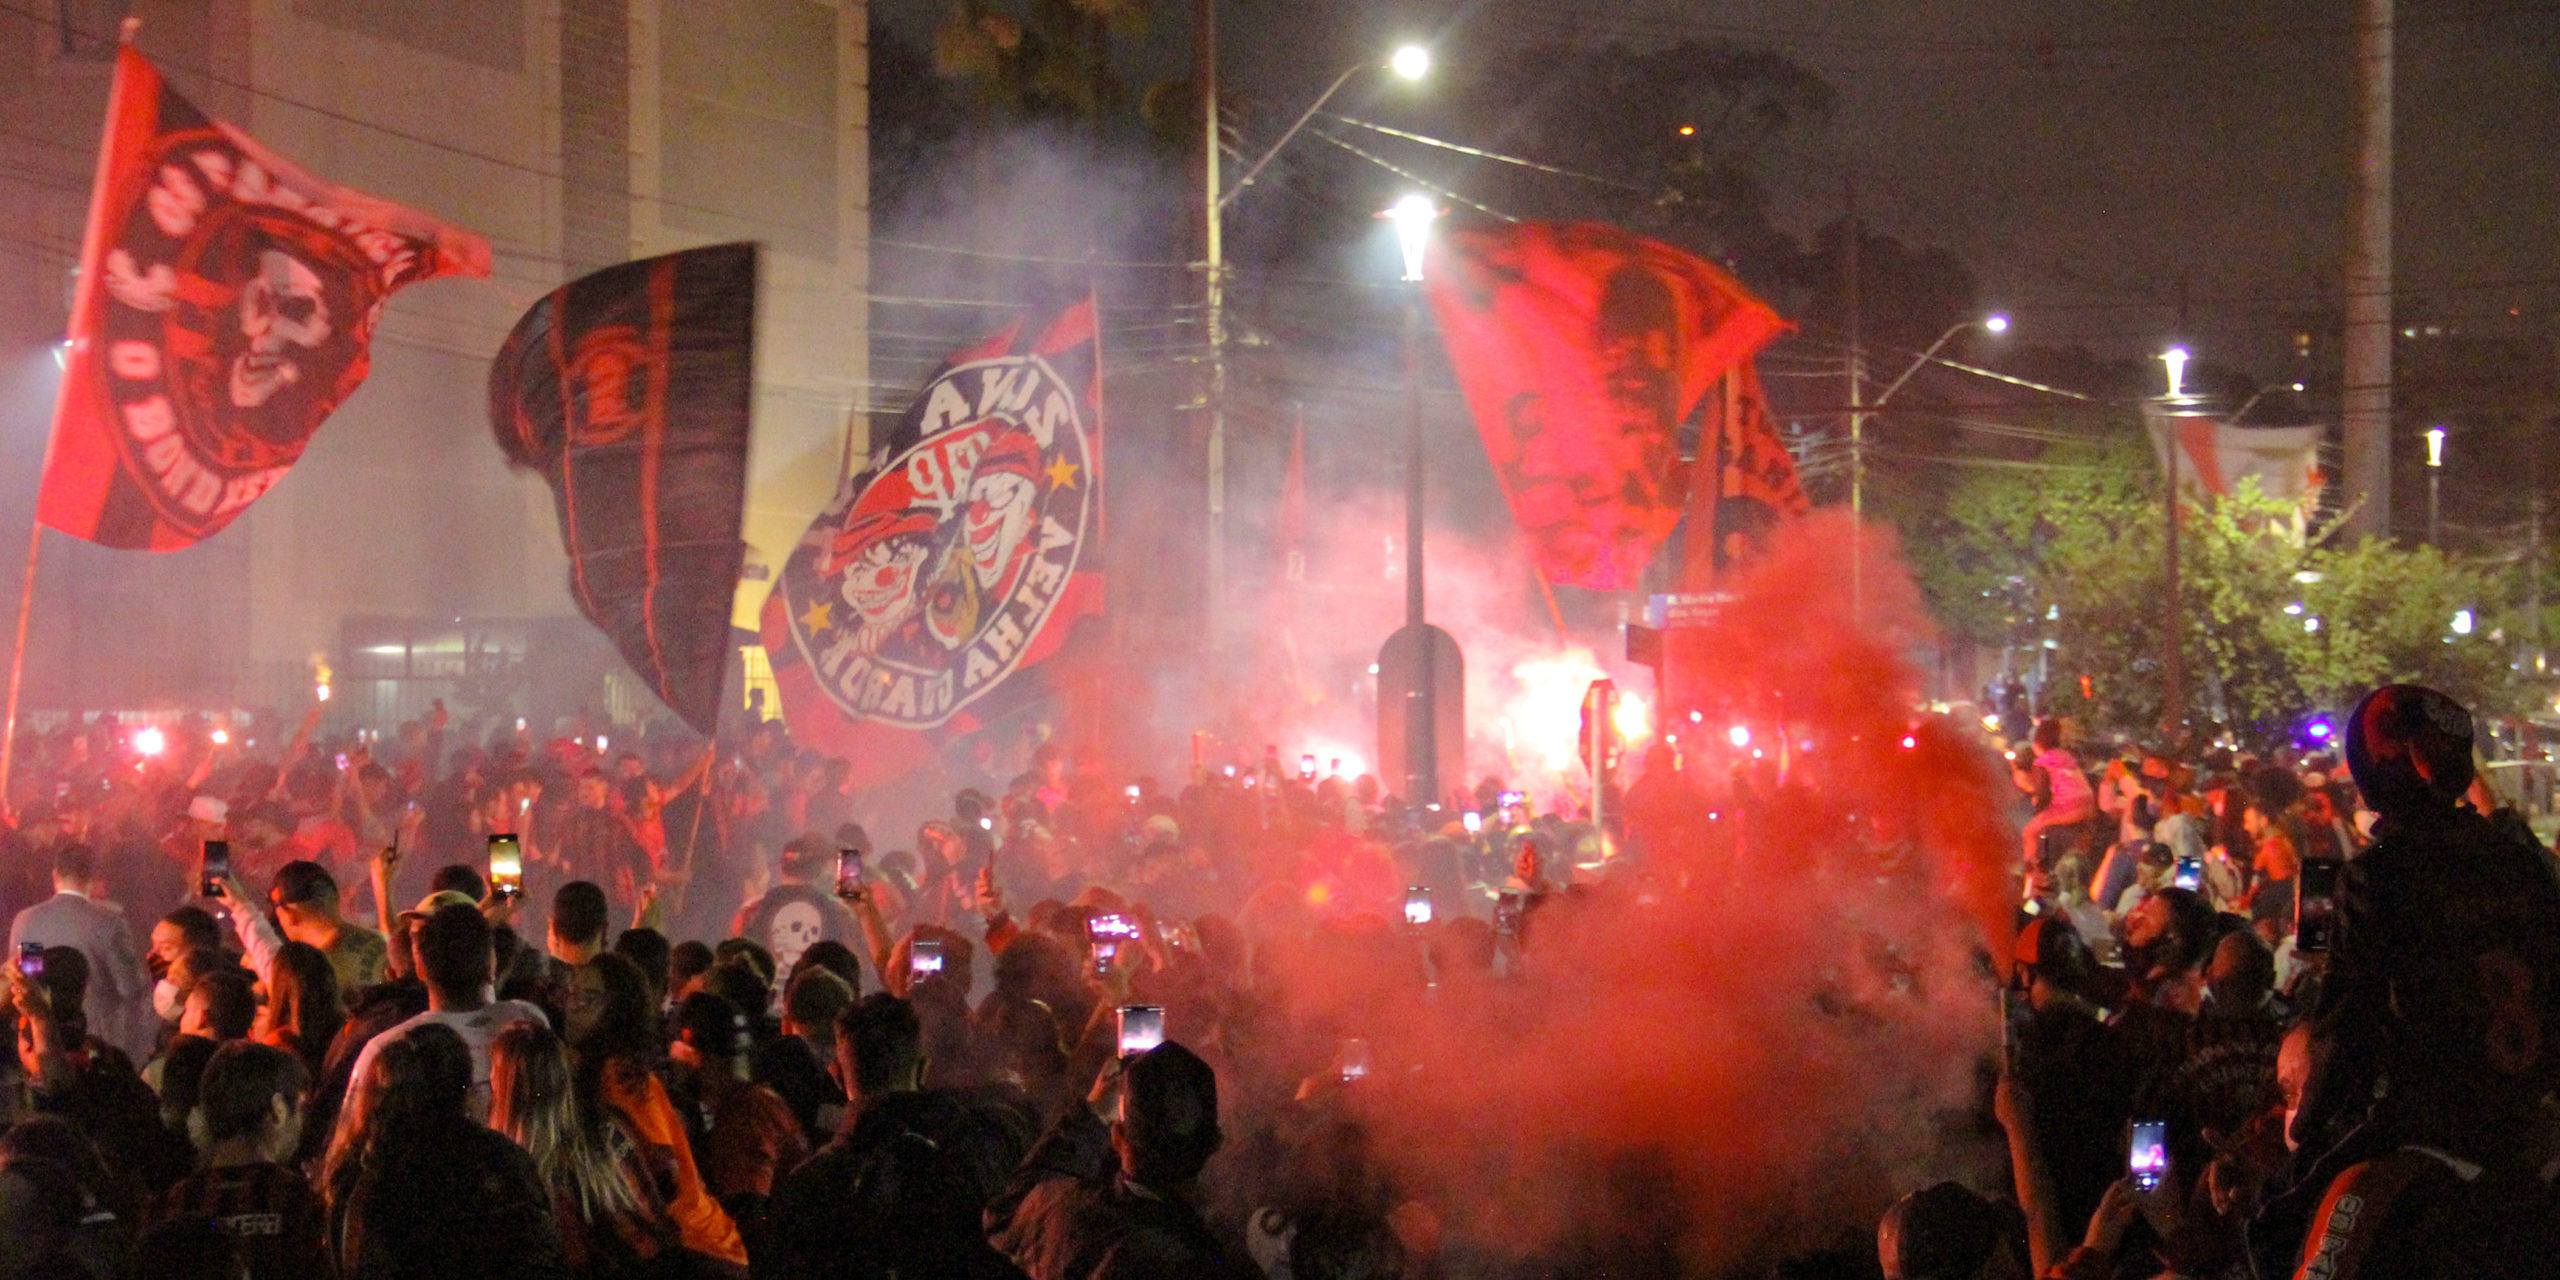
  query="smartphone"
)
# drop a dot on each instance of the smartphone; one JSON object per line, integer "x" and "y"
{"x": 217, "y": 868}
{"x": 342, "y": 762}
{"x": 1103, "y": 954}
{"x": 2315, "y": 904}
{"x": 1511, "y": 799}
{"x": 1306, "y": 768}
{"x": 1417, "y": 905}
{"x": 506, "y": 866}
{"x": 1507, "y": 912}
{"x": 849, "y": 877}
{"x": 1141, "y": 1028}
{"x": 924, "y": 958}
{"x": 1474, "y": 822}
{"x": 2190, "y": 873}
{"x": 2148, "y": 1160}
{"x": 31, "y": 959}
{"x": 1353, "y": 1061}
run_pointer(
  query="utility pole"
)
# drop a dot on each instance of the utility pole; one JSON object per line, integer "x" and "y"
{"x": 2366, "y": 416}
{"x": 2533, "y": 563}
{"x": 1849, "y": 237}
{"x": 1205, "y": 24}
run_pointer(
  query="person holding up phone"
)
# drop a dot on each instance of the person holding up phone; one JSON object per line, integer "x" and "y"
{"x": 811, "y": 900}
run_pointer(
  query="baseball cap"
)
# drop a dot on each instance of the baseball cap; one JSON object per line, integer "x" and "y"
{"x": 437, "y": 901}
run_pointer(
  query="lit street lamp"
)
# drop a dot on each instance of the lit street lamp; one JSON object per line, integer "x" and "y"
{"x": 2435, "y": 485}
{"x": 1418, "y": 657}
{"x": 2176, "y": 358}
{"x": 1995, "y": 324}
{"x": 1411, "y": 62}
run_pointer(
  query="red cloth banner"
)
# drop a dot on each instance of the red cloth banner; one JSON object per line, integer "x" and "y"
{"x": 226, "y": 305}
{"x": 936, "y": 594}
{"x": 1582, "y": 348}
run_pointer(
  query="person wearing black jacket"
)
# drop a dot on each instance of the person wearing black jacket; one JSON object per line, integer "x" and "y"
{"x": 1097, "y": 1201}
{"x": 900, "y": 1190}
{"x": 2438, "y": 1024}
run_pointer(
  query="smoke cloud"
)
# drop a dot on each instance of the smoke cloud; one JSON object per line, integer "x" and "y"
{"x": 1749, "y": 1053}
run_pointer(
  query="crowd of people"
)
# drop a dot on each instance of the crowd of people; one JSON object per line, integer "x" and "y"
{"x": 280, "y": 1012}
{"x": 2281, "y": 1017}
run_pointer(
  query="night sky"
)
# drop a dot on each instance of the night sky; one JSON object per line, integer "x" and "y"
{"x": 2084, "y": 157}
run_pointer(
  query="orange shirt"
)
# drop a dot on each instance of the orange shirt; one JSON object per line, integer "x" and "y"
{"x": 705, "y": 1227}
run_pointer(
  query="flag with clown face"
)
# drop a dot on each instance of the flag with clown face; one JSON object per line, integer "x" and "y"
{"x": 961, "y": 559}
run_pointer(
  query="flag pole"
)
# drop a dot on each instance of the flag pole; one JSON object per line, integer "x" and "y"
{"x": 18, "y": 659}
{"x": 125, "y": 33}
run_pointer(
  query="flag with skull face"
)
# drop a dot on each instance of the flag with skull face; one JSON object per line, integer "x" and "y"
{"x": 226, "y": 305}
{"x": 922, "y": 598}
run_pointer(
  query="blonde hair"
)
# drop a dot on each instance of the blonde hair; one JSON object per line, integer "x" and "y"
{"x": 532, "y": 1102}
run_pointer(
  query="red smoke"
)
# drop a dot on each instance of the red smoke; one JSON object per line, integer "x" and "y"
{"x": 1759, "y": 1054}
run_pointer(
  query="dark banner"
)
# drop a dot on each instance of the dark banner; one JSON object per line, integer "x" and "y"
{"x": 1744, "y": 484}
{"x": 630, "y": 390}
{"x": 226, "y": 305}
{"x": 960, "y": 559}
{"x": 1582, "y": 348}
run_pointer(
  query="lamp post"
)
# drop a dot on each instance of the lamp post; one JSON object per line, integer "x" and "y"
{"x": 1992, "y": 324}
{"x": 1411, "y": 62}
{"x": 2173, "y": 694}
{"x": 1413, "y": 216}
{"x": 2435, "y": 486}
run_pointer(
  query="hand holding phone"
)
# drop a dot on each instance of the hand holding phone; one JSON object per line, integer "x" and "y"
{"x": 2315, "y": 905}
{"x": 2190, "y": 873}
{"x": 31, "y": 960}
{"x": 1352, "y": 1062}
{"x": 850, "y": 881}
{"x": 506, "y": 866}
{"x": 217, "y": 868}
{"x": 2148, "y": 1159}
{"x": 1417, "y": 906}
{"x": 924, "y": 958}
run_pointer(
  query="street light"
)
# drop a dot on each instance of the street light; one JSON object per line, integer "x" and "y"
{"x": 1858, "y": 449}
{"x": 1411, "y": 62}
{"x": 2435, "y": 484}
{"x": 1413, "y": 216}
{"x": 1424, "y": 644}
{"x": 2176, "y": 358}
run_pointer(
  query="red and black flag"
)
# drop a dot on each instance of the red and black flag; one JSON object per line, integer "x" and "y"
{"x": 959, "y": 559}
{"x": 1744, "y": 484}
{"x": 1582, "y": 348}
{"x": 630, "y": 390}
{"x": 226, "y": 305}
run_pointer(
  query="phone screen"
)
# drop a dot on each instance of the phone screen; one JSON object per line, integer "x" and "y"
{"x": 1506, "y": 913}
{"x": 1353, "y": 1061}
{"x": 217, "y": 866}
{"x": 2190, "y": 873}
{"x": 1141, "y": 1028}
{"x": 924, "y": 958}
{"x": 1474, "y": 822}
{"x": 506, "y": 866}
{"x": 1417, "y": 905}
{"x": 2148, "y": 1160}
{"x": 1306, "y": 766}
{"x": 2315, "y": 904}
{"x": 31, "y": 959}
{"x": 848, "y": 872}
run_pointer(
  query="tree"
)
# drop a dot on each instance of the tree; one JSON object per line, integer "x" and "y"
{"x": 2277, "y": 629}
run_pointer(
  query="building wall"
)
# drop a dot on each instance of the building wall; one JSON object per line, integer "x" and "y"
{"x": 571, "y": 133}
